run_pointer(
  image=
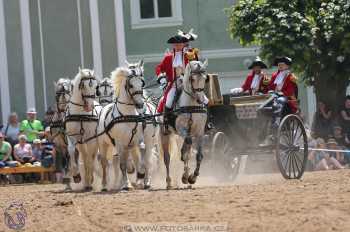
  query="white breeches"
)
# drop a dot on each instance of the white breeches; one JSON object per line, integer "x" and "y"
{"x": 170, "y": 97}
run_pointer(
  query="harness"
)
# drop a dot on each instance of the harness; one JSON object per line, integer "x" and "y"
{"x": 105, "y": 99}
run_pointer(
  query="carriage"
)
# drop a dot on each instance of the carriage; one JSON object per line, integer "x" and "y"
{"x": 238, "y": 125}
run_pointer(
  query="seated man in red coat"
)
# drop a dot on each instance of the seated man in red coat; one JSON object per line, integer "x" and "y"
{"x": 256, "y": 81}
{"x": 284, "y": 81}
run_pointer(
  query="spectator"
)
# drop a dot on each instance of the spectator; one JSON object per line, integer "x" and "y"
{"x": 340, "y": 137}
{"x": 5, "y": 155}
{"x": 321, "y": 126}
{"x": 5, "y": 151}
{"x": 345, "y": 116}
{"x": 36, "y": 149}
{"x": 321, "y": 160}
{"x": 11, "y": 130}
{"x": 48, "y": 157}
{"x": 31, "y": 127}
{"x": 333, "y": 145}
{"x": 23, "y": 151}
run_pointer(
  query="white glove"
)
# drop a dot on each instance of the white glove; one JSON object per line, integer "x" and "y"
{"x": 236, "y": 90}
{"x": 163, "y": 81}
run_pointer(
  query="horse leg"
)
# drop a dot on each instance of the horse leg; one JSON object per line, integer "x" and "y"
{"x": 186, "y": 148}
{"x": 140, "y": 172}
{"x": 104, "y": 164}
{"x": 199, "y": 157}
{"x": 88, "y": 168}
{"x": 126, "y": 185}
{"x": 72, "y": 166}
{"x": 147, "y": 158}
{"x": 165, "y": 146}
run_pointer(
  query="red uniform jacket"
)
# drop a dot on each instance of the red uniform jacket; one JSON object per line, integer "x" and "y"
{"x": 248, "y": 82}
{"x": 167, "y": 66}
{"x": 289, "y": 89}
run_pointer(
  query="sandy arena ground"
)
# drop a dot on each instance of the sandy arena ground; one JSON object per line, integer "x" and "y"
{"x": 319, "y": 202}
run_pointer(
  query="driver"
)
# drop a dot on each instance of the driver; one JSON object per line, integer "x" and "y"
{"x": 256, "y": 81}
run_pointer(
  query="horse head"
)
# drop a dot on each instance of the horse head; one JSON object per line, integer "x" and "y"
{"x": 131, "y": 78}
{"x": 106, "y": 91}
{"x": 63, "y": 90}
{"x": 195, "y": 77}
{"x": 85, "y": 87}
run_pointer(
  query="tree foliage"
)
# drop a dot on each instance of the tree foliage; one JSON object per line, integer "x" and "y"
{"x": 315, "y": 33}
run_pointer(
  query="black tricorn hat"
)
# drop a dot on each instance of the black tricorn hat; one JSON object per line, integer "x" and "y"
{"x": 189, "y": 35}
{"x": 177, "y": 39}
{"x": 257, "y": 62}
{"x": 284, "y": 59}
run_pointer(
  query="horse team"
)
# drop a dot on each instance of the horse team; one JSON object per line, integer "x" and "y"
{"x": 110, "y": 125}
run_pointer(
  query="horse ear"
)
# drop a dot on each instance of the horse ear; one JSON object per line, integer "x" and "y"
{"x": 140, "y": 63}
{"x": 80, "y": 71}
{"x": 205, "y": 64}
{"x": 54, "y": 83}
{"x": 93, "y": 73}
{"x": 127, "y": 63}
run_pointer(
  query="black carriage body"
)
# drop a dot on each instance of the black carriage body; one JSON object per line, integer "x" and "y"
{"x": 240, "y": 120}
{"x": 239, "y": 124}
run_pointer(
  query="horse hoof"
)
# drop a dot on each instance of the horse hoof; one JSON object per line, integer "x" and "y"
{"x": 147, "y": 184}
{"x": 192, "y": 179}
{"x": 185, "y": 178}
{"x": 88, "y": 189}
{"x": 104, "y": 190}
{"x": 68, "y": 189}
{"x": 127, "y": 188}
{"x": 168, "y": 183}
{"x": 77, "y": 179}
{"x": 131, "y": 170}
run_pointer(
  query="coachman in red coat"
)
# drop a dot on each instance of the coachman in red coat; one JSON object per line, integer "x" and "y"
{"x": 256, "y": 81}
{"x": 285, "y": 81}
{"x": 171, "y": 67}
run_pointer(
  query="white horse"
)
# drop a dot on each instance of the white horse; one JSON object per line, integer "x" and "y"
{"x": 63, "y": 88}
{"x": 189, "y": 123}
{"x": 81, "y": 119}
{"x": 121, "y": 126}
{"x": 106, "y": 91}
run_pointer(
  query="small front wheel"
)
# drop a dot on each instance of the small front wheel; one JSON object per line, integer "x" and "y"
{"x": 226, "y": 161}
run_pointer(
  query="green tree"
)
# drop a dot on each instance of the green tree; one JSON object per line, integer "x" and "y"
{"x": 314, "y": 33}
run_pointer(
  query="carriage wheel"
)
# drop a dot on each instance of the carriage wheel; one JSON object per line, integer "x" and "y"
{"x": 291, "y": 147}
{"x": 224, "y": 157}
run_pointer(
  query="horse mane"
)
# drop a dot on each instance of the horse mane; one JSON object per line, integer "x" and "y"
{"x": 117, "y": 77}
{"x": 187, "y": 75}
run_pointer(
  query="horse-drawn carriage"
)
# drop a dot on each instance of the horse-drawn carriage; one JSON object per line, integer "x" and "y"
{"x": 238, "y": 125}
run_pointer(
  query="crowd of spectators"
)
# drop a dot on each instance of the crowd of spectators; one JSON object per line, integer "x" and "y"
{"x": 330, "y": 132}
{"x": 27, "y": 143}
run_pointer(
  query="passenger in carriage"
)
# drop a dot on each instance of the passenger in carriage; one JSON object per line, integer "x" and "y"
{"x": 284, "y": 81}
{"x": 256, "y": 81}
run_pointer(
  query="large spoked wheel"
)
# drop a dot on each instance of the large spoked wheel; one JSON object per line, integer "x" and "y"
{"x": 291, "y": 147}
{"x": 226, "y": 161}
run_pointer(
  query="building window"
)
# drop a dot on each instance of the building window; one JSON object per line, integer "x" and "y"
{"x": 155, "y": 13}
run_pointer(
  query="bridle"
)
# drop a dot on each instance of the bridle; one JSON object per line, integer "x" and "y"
{"x": 90, "y": 78}
{"x": 63, "y": 91}
{"x": 129, "y": 86}
{"x": 193, "y": 92}
{"x": 106, "y": 98}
